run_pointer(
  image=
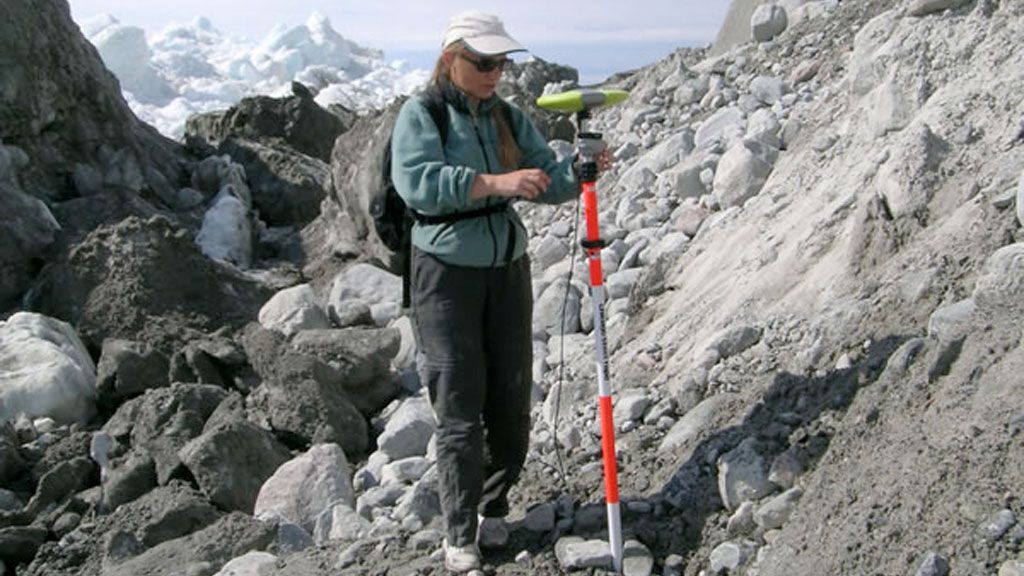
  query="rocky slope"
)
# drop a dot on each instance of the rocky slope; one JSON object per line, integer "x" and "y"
{"x": 816, "y": 281}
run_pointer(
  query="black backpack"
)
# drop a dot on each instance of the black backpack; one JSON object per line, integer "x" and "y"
{"x": 393, "y": 219}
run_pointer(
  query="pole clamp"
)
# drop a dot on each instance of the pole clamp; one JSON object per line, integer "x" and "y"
{"x": 591, "y": 244}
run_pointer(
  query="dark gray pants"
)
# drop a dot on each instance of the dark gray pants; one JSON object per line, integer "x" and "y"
{"x": 474, "y": 327}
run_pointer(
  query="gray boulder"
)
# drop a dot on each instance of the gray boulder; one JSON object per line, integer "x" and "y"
{"x": 926, "y": 7}
{"x": 231, "y": 461}
{"x": 203, "y": 552}
{"x": 287, "y": 187}
{"x": 26, "y": 231}
{"x": 295, "y": 121}
{"x": 742, "y": 172}
{"x": 162, "y": 421}
{"x": 45, "y": 370}
{"x": 767, "y": 22}
{"x": 742, "y": 475}
{"x": 126, "y": 369}
{"x": 359, "y": 360}
{"x": 304, "y": 487}
{"x": 131, "y": 281}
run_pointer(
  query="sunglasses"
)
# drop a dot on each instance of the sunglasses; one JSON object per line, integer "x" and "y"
{"x": 485, "y": 65}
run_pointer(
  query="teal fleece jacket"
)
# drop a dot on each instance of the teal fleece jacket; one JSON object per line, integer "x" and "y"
{"x": 437, "y": 181}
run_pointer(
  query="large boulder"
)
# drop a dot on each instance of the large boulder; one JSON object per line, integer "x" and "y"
{"x": 164, "y": 420}
{"x": 231, "y": 461}
{"x": 26, "y": 231}
{"x": 287, "y": 187}
{"x": 295, "y": 121}
{"x": 127, "y": 369}
{"x": 357, "y": 166}
{"x": 146, "y": 280}
{"x": 202, "y": 552}
{"x": 65, "y": 110}
{"x": 45, "y": 370}
{"x": 302, "y": 488}
{"x": 359, "y": 359}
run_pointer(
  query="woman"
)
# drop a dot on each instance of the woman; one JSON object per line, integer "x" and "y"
{"x": 470, "y": 287}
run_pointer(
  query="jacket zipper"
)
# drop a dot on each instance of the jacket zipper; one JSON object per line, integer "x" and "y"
{"x": 487, "y": 164}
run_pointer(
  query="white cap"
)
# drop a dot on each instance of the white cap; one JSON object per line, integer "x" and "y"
{"x": 483, "y": 33}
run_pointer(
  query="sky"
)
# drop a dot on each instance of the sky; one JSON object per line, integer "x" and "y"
{"x": 598, "y": 38}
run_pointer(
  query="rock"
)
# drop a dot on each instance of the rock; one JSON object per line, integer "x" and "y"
{"x": 405, "y": 470}
{"x": 888, "y": 108}
{"x": 26, "y": 231}
{"x": 127, "y": 369}
{"x": 340, "y": 522}
{"x": 720, "y": 128}
{"x": 287, "y": 187}
{"x": 63, "y": 107}
{"x": 11, "y": 462}
{"x": 45, "y": 370}
{"x": 692, "y": 424}
{"x": 637, "y": 560}
{"x": 631, "y": 405}
{"x": 574, "y": 553}
{"x": 775, "y": 512}
{"x": 557, "y": 311}
{"x": 303, "y": 487}
{"x": 952, "y": 322}
{"x": 734, "y": 340}
{"x": 129, "y": 479}
{"x": 130, "y": 280}
{"x": 742, "y": 520}
{"x": 358, "y": 360}
{"x": 997, "y": 525}
{"x": 60, "y": 483}
{"x": 408, "y": 431}
{"x": 421, "y": 502}
{"x": 364, "y": 282}
{"x": 729, "y": 556}
{"x": 933, "y": 564}
{"x": 1012, "y": 568}
{"x": 767, "y": 22}
{"x": 292, "y": 310}
{"x": 1020, "y": 200}
{"x": 296, "y": 122}
{"x": 164, "y": 514}
{"x": 378, "y": 497}
{"x": 619, "y": 284}
{"x": 249, "y": 564}
{"x": 230, "y": 463}
{"x": 204, "y": 551}
{"x": 786, "y": 468}
{"x": 540, "y": 519}
{"x": 163, "y": 420}
{"x": 291, "y": 539}
{"x": 742, "y": 172}
{"x": 997, "y": 292}
{"x": 742, "y": 475}
{"x": 767, "y": 89}
{"x": 20, "y": 543}
{"x": 926, "y": 7}
{"x": 903, "y": 179}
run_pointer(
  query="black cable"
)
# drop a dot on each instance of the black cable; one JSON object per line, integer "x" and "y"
{"x": 561, "y": 347}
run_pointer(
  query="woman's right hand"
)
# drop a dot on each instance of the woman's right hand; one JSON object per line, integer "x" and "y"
{"x": 527, "y": 184}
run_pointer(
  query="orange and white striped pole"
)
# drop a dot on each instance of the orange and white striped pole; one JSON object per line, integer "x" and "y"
{"x": 589, "y": 146}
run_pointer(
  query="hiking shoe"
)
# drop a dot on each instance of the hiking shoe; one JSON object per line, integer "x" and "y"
{"x": 461, "y": 559}
{"x": 492, "y": 533}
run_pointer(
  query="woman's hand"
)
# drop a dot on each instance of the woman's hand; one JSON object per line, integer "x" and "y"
{"x": 527, "y": 184}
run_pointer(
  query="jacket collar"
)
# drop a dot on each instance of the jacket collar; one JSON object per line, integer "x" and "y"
{"x": 458, "y": 99}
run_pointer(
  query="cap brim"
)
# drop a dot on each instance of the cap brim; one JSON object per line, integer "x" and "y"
{"x": 493, "y": 45}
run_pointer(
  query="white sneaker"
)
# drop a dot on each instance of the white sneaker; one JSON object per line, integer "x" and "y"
{"x": 460, "y": 559}
{"x": 492, "y": 532}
